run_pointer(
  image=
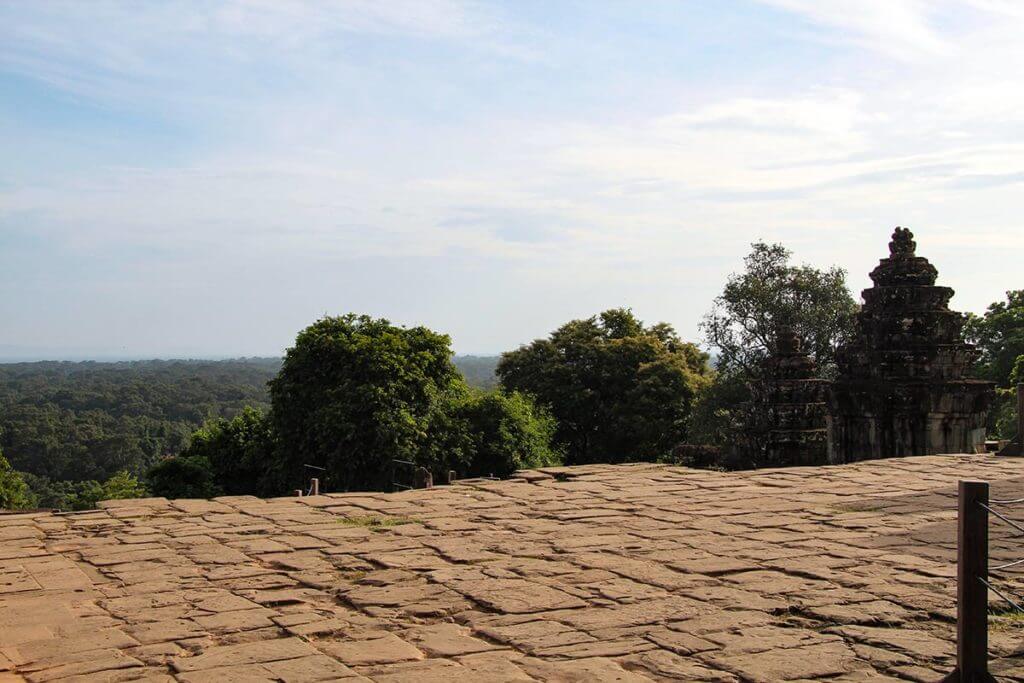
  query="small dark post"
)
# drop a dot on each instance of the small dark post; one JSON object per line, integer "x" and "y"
{"x": 971, "y": 593}
{"x": 314, "y": 486}
{"x": 422, "y": 478}
{"x": 451, "y": 476}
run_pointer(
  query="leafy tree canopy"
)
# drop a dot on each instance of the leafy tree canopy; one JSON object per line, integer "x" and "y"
{"x": 620, "y": 391}
{"x": 999, "y": 335}
{"x": 88, "y": 421}
{"x": 355, "y": 393}
{"x": 14, "y": 494}
{"x": 82, "y": 495}
{"x": 771, "y": 293}
{"x": 742, "y": 326}
{"x": 491, "y": 434}
{"x": 225, "y": 457}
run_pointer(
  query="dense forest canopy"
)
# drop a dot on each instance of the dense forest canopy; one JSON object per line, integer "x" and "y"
{"x": 367, "y": 404}
{"x": 356, "y": 395}
{"x": 620, "y": 390}
{"x": 81, "y": 421}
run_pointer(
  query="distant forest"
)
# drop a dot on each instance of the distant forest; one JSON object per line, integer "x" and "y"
{"x": 79, "y": 421}
{"x": 357, "y": 395}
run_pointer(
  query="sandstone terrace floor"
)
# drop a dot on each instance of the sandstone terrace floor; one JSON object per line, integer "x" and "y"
{"x": 598, "y": 573}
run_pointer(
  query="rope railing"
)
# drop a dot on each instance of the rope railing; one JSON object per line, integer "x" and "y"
{"x": 1002, "y": 593}
{"x": 974, "y": 580}
{"x": 410, "y": 468}
{"x": 1007, "y": 566}
{"x": 418, "y": 477}
{"x": 1004, "y": 518}
{"x": 314, "y": 483}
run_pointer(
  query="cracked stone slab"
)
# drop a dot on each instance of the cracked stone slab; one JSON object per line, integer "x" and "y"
{"x": 604, "y": 572}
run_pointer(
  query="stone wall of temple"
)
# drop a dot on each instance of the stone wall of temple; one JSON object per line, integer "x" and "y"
{"x": 795, "y": 402}
{"x": 903, "y": 387}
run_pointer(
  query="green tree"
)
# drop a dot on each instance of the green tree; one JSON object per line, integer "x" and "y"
{"x": 620, "y": 391}
{"x": 741, "y": 328}
{"x": 182, "y": 477}
{"x": 772, "y": 293}
{"x": 999, "y": 336}
{"x": 224, "y": 457}
{"x": 123, "y": 485}
{"x": 491, "y": 433}
{"x": 239, "y": 452}
{"x": 88, "y": 421}
{"x": 14, "y": 493}
{"x": 120, "y": 485}
{"x": 83, "y": 495}
{"x": 47, "y": 493}
{"x": 355, "y": 393}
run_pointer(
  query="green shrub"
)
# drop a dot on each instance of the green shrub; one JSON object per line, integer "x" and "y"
{"x": 14, "y": 493}
{"x": 182, "y": 477}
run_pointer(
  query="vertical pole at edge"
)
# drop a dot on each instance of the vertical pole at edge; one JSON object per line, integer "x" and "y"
{"x": 971, "y": 593}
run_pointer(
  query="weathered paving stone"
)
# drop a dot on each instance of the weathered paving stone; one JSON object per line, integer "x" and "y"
{"x": 662, "y": 664}
{"x": 680, "y": 642}
{"x": 386, "y": 649}
{"x": 98, "y": 667}
{"x": 429, "y": 671}
{"x": 817, "y": 661}
{"x": 298, "y": 670}
{"x": 245, "y": 653}
{"x": 580, "y": 671}
{"x": 632, "y": 573}
{"x": 873, "y": 612}
{"x": 241, "y": 620}
{"x": 492, "y": 666}
{"x": 447, "y": 640}
{"x": 164, "y": 631}
{"x": 516, "y": 596}
{"x": 921, "y": 645}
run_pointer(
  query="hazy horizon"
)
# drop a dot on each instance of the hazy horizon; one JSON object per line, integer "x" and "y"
{"x": 206, "y": 179}
{"x": 12, "y": 355}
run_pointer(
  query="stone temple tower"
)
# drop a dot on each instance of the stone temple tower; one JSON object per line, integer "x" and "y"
{"x": 902, "y": 387}
{"x": 795, "y": 401}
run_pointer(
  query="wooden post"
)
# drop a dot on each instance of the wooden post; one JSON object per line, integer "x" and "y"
{"x": 298, "y": 492}
{"x": 971, "y": 593}
{"x": 314, "y": 487}
{"x": 451, "y": 476}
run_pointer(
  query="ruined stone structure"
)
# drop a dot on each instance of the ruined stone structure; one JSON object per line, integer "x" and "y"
{"x": 902, "y": 386}
{"x": 795, "y": 402}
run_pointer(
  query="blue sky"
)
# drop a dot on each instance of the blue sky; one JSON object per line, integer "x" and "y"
{"x": 206, "y": 178}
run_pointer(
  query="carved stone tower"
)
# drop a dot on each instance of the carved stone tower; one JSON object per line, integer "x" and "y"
{"x": 795, "y": 401}
{"x": 902, "y": 386}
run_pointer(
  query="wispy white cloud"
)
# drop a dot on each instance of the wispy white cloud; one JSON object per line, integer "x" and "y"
{"x": 330, "y": 156}
{"x": 898, "y": 28}
{"x": 175, "y": 50}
